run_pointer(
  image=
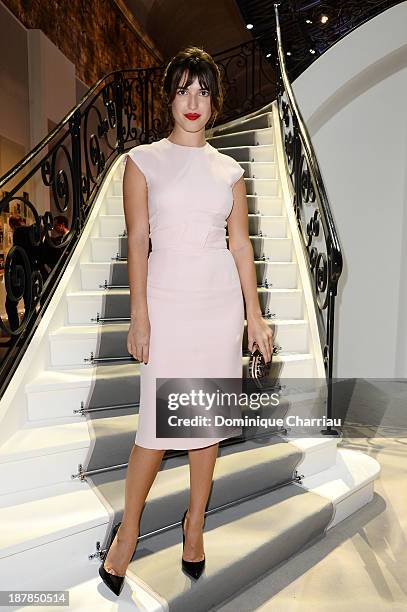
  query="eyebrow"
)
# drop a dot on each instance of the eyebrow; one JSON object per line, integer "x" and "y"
{"x": 184, "y": 87}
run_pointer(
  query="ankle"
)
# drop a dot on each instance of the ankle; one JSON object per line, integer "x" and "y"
{"x": 195, "y": 520}
{"x": 126, "y": 533}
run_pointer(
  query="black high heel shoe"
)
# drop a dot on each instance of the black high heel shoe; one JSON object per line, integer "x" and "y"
{"x": 193, "y": 568}
{"x": 115, "y": 583}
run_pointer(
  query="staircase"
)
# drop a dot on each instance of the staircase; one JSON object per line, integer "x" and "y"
{"x": 76, "y": 392}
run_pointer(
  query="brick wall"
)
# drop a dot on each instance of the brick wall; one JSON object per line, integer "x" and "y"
{"x": 98, "y": 36}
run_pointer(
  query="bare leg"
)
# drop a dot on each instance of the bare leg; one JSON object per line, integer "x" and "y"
{"x": 144, "y": 464}
{"x": 201, "y": 464}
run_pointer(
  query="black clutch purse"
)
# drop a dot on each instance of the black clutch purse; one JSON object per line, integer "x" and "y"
{"x": 258, "y": 368}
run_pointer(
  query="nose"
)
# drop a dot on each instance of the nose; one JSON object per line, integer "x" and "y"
{"x": 193, "y": 102}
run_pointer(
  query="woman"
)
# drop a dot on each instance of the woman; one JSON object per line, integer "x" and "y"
{"x": 187, "y": 310}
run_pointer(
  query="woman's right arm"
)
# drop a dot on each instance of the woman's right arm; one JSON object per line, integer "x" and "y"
{"x": 135, "y": 204}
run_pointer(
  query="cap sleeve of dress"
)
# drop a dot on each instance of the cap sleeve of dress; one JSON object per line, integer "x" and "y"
{"x": 140, "y": 156}
{"x": 236, "y": 172}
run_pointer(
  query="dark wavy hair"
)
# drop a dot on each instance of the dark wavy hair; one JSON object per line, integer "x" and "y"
{"x": 197, "y": 63}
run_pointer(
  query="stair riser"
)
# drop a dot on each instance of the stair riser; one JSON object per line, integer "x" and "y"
{"x": 113, "y": 226}
{"x": 260, "y": 170}
{"x": 356, "y": 500}
{"x": 281, "y": 276}
{"x": 58, "y": 402}
{"x": 302, "y": 368}
{"x": 252, "y": 153}
{"x": 259, "y": 122}
{"x": 41, "y": 567}
{"x": 240, "y": 152}
{"x": 252, "y": 169}
{"x": 41, "y": 470}
{"x": 264, "y": 205}
{"x": 264, "y": 186}
{"x": 318, "y": 460}
{"x": 72, "y": 350}
{"x": 83, "y": 308}
{"x": 239, "y": 139}
{"x": 275, "y": 249}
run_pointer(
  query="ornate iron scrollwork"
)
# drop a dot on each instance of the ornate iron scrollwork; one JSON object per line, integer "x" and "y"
{"x": 312, "y": 210}
{"x": 61, "y": 175}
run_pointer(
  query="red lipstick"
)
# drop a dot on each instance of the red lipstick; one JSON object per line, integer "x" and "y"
{"x": 192, "y": 116}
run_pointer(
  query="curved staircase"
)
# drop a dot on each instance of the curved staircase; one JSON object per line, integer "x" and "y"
{"x": 63, "y": 470}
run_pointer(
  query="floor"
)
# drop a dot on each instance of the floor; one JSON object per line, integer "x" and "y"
{"x": 362, "y": 562}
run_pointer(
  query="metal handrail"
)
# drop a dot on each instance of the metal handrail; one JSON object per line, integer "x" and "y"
{"x": 312, "y": 209}
{"x": 62, "y": 175}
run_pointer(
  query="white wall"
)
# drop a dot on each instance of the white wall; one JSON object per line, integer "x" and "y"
{"x": 354, "y": 101}
{"x": 38, "y": 84}
{"x": 14, "y": 103}
{"x": 52, "y": 84}
{"x": 52, "y": 93}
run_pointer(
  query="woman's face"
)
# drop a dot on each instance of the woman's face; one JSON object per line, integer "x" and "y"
{"x": 191, "y": 107}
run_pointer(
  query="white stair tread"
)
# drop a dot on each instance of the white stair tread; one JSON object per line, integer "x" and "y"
{"x": 98, "y": 293}
{"x": 312, "y": 444}
{"x": 107, "y": 263}
{"x": 53, "y": 512}
{"x": 92, "y": 331}
{"x": 249, "y": 195}
{"x": 52, "y": 379}
{"x": 261, "y": 179}
{"x": 81, "y": 376}
{"x": 352, "y": 470}
{"x": 98, "y": 264}
{"x": 242, "y": 132}
{"x": 39, "y": 440}
{"x": 289, "y": 357}
{"x": 92, "y": 594}
{"x": 260, "y": 216}
{"x": 39, "y": 437}
{"x": 61, "y": 509}
{"x": 121, "y": 215}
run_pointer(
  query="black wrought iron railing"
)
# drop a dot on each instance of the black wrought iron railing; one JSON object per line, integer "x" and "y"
{"x": 313, "y": 213}
{"x": 53, "y": 188}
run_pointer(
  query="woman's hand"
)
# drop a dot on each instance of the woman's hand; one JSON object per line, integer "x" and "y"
{"x": 259, "y": 331}
{"x": 138, "y": 338}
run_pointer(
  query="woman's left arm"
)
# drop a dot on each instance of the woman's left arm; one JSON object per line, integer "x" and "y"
{"x": 241, "y": 248}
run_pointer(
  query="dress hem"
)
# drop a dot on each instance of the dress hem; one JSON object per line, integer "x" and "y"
{"x": 210, "y": 443}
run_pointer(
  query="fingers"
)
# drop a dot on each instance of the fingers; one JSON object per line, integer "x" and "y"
{"x": 145, "y": 354}
{"x": 140, "y": 352}
{"x": 265, "y": 351}
{"x": 265, "y": 344}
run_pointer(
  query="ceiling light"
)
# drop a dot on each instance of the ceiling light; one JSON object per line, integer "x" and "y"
{"x": 249, "y": 26}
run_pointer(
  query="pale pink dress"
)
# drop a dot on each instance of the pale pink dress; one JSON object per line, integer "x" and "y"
{"x": 194, "y": 296}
